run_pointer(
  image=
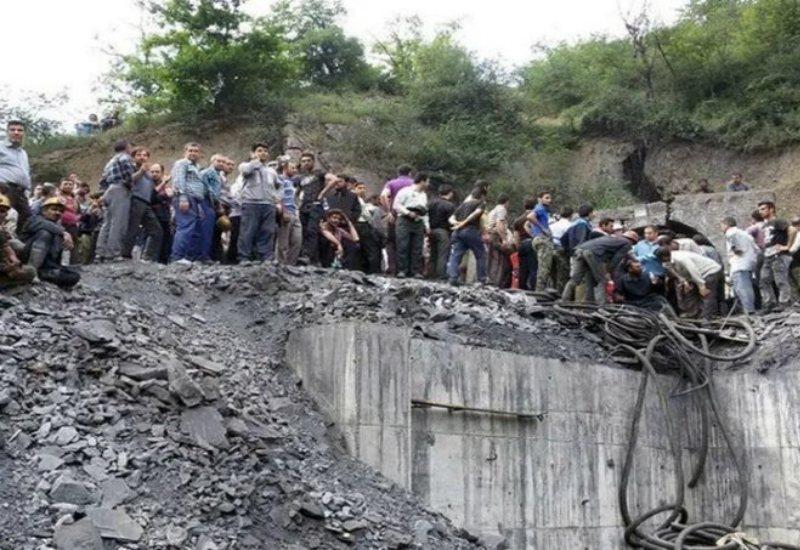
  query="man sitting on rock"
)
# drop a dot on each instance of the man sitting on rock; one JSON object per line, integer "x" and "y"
{"x": 12, "y": 272}
{"x": 45, "y": 240}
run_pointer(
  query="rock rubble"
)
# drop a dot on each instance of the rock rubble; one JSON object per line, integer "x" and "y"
{"x": 150, "y": 408}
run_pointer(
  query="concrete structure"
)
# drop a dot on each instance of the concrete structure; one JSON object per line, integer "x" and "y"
{"x": 548, "y": 481}
{"x": 697, "y": 213}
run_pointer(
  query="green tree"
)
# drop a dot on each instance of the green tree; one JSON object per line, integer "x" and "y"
{"x": 329, "y": 59}
{"x": 31, "y": 109}
{"x": 208, "y": 57}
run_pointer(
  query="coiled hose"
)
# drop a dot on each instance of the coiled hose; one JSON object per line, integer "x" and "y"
{"x": 647, "y": 339}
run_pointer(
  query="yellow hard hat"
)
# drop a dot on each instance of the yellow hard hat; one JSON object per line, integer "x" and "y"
{"x": 53, "y": 201}
{"x": 224, "y": 224}
{"x": 4, "y": 202}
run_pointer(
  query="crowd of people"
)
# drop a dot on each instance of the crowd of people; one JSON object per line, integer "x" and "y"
{"x": 291, "y": 211}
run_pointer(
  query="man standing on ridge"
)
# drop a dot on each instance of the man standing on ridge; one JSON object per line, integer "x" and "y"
{"x": 118, "y": 178}
{"x": 212, "y": 182}
{"x": 389, "y": 193}
{"x": 439, "y": 211}
{"x": 411, "y": 206}
{"x": 775, "y": 269}
{"x": 141, "y": 213}
{"x": 187, "y": 205}
{"x": 15, "y": 171}
{"x": 539, "y": 220}
{"x": 261, "y": 198}
{"x": 742, "y": 258}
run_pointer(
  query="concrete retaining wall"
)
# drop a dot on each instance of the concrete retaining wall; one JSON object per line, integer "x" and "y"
{"x": 550, "y": 482}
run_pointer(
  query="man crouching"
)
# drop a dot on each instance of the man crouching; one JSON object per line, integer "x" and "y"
{"x": 45, "y": 240}
{"x": 12, "y": 272}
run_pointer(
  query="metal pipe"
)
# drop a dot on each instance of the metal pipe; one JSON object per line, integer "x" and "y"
{"x": 422, "y": 404}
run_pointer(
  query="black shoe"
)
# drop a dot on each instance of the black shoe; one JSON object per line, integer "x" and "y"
{"x": 455, "y": 282}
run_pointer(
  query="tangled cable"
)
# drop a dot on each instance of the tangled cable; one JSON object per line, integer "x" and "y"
{"x": 656, "y": 340}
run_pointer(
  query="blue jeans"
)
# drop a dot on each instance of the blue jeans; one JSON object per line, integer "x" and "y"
{"x": 259, "y": 227}
{"x": 207, "y": 229}
{"x": 462, "y": 240}
{"x": 187, "y": 241}
{"x": 742, "y": 282}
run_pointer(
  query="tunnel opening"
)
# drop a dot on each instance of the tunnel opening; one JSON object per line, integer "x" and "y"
{"x": 633, "y": 170}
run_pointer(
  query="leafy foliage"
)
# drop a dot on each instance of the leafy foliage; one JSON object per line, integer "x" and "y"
{"x": 728, "y": 71}
{"x": 208, "y": 57}
{"x": 31, "y": 109}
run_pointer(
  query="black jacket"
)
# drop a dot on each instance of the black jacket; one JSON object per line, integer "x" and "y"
{"x": 44, "y": 242}
{"x": 346, "y": 201}
{"x": 608, "y": 249}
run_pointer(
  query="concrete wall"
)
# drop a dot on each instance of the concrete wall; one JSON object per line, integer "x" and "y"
{"x": 550, "y": 482}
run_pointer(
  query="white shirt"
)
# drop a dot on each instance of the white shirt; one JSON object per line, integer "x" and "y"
{"x": 408, "y": 198}
{"x": 740, "y": 241}
{"x": 693, "y": 267}
{"x": 558, "y": 229}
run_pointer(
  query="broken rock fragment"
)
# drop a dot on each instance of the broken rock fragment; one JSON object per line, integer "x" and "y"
{"x": 204, "y": 425}
{"x": 115, "y": 524}
{"x": 66, "y": 489}
{"x": 81, "y": 535}
{"x": 182, "y": 385}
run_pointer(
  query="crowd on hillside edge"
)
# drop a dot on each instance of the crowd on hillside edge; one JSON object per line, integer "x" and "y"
{"x": 291, "y": 211}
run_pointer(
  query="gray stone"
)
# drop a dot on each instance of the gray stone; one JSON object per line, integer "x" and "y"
{"x": 494, "y": 542}
{"x": 81, "y": 535}
{"x": 206, "y": 365}
{"x": 204, "y": 425}
{"x": 205, "y": 543}
{"x": 115, "y": 524}
{"x": 96, "y": 331}
{"x": 311, "y": 509}
{"x": 182, "y": 385}
{"x": 115, "y": 492}
{"x": 176, "y": 536}
{"x": 66, "y": 489}
{"x": 355, "y": 525}
{"x": 48, "y": 463}
{"x": 65, "y": 435}
{"x": 421, "y": 529}
{"x": 140, "y": 373}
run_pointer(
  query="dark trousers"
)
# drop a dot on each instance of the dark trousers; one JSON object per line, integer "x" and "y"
{"x": 232, "y": 254}
{"x": 208, "y": 224}
{"x": 257, "y": 232}
{"x": 439, "y": 242}
{"x": 310, "y": 216}
{"x": 410, "y": 238}
{"x": 142, "y": 215}
{"x": 64, "y": 276}
{"x": 166, "y": 239}
{"x": 468, "y": 238}
{"x": 370, "y": 248}
{"x": 19, "y": 202}
{"x": 188, "y": 231}
{"x": 528, "y": 265}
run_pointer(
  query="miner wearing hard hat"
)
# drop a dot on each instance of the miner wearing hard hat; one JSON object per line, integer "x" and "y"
{"x": 12, "y": 272}
{"x": 44, "y": 243}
